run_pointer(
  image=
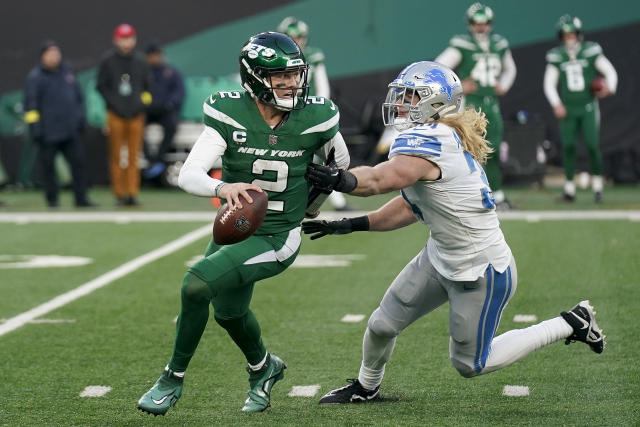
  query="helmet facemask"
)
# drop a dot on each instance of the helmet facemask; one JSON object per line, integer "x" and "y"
{"x": 279, "y": 93}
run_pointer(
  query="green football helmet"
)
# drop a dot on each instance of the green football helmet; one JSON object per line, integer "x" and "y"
{"x": 294, "y": 28}
{"x": 568, "y": 24}
{"x": 479, "y": 13}
{"x": 269, "y": 53}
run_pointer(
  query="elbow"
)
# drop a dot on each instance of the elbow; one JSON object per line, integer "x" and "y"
{"x": 183, "y": 178}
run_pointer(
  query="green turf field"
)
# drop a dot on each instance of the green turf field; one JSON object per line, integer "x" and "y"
{"x": 121, "y": 334}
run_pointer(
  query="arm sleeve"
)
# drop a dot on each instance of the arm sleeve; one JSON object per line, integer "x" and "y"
{"x": 450, "y": 57}
{"x": 104, "y": 84}
{"x": 341, "y": 153}
{"x": 31, "y": 107}
{"x": 206, "y": 153}
{"x": 177, "y": 93}
{"x": 604, "y": 66}
{"x": 509, "y": 71}
{"x": 550, "y": 84}
{"x": 321, "y": 81}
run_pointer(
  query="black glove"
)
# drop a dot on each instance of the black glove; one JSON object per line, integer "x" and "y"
{"x": 331, "y": 178}
{"x": 343, "y": 226}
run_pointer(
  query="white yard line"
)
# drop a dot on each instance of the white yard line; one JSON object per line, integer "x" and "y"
{"x": 127, "y": 217}
{"x": 97, "y": 283}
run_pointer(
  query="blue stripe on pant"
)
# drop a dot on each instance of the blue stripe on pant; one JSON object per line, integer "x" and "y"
{"x": 499, "y": 287}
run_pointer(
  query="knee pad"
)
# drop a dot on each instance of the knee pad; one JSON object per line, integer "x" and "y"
{"x": 464, "y": 369}
{"x": 195, "y": 289}
{"x": 381, "y": 325}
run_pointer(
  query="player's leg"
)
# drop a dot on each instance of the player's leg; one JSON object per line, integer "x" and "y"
{"x": 116, "y": 137}
{"x": 415, "y": 292}
{"x": 591, "y": 132}
{"x": 568, "y": 135}
{"x": 47, "y": 154}
{"x": 256, "y": 258}
{"x": 495, "y": 131}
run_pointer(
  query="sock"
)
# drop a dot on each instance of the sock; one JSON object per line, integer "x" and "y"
{"x": 516, "y": 344}
{"x": 569, "y": 188}
{"x": 597, "y": 183}
{"x": 376, "y": 352}
{"x": 259, "y": 365}
{"x": 498, "y": 196}
{"x": 245, "y": 332}
{"x": 192, "y": 320}
{"x": 174, "y": 373}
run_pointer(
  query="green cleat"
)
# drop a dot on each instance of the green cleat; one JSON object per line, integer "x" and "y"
{"x": 163, "y": 395}
{"x": 261, "y": 383}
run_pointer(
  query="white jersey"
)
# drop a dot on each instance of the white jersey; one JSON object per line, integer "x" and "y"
{"x": 458, "y": 208}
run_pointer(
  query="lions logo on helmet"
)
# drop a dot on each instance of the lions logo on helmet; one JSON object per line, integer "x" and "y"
{"x": 269, "y": 53}
{"x": 423, "y": 91}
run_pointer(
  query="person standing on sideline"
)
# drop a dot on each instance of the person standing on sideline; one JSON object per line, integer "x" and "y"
{"x": 124, "y": 83}
{"x": 54, "y": 112}
{"x": 318, "y": 79}
{"x": 484, "y": 63}
{"x": 167, "y": 91}
{"x": 266, "y": 136}
{"x": 435, "y": 162}
{"x": 575, "y": 66}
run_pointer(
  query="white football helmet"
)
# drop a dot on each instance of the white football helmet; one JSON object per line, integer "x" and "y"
{"x": 423, "y": 91}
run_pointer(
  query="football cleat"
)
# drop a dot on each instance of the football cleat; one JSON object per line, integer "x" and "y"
{"x": 566, "y": 198}
{"x": 597, "y": 197}
{"x": 261, "y": 382}
{"x": 163, "y": 395}
{"x": 582, "y": 319}
{"x": 351, "y": 393}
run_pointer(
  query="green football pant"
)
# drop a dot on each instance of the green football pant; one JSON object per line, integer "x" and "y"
{"x": 495, "y": 132}
{"x": 226, "y": 278}
{"x": 584, "y": 119}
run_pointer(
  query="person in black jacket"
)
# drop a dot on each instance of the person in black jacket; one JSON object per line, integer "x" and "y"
{"x": 167, "y": 90}
{"x": 54, "y": 111}
{"x": 124, "y": 83}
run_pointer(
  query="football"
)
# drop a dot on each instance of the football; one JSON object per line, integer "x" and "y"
{"x": 235, "y": 225}
{"x": 597, "y": 84}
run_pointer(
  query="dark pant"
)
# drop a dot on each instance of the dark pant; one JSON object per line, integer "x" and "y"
{"x": 169, "y": 122}
{"x": 73, "y": 151}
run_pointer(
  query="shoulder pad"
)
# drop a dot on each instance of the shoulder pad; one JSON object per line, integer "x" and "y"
{"x": 554, "y": 56}
{"x": 217, "y": 106}
{"x": 500, "y": 42}
{"x": 322, "y": 114}
{"x": 462, "y": 41}
{"x": 591, "y": 49}
{"x": 424, "y": 140}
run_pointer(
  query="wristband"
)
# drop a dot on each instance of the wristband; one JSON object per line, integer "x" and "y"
{"x": 360, "y": 223}
{"x": 216, "y": 192}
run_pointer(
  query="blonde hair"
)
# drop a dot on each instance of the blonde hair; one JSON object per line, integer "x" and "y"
{"x": 471, "y": 126}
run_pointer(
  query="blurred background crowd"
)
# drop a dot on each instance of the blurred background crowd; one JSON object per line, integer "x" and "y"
{"x": 110, "y": 94}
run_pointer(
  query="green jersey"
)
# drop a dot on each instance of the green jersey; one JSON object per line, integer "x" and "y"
{"x": 577, "y": 70}
{"x": 273, "y": 159}
{"x": 314, "y": 57}
{"x": 483, "y": 66}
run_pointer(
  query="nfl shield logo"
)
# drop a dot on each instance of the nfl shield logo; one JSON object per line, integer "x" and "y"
{"x": 273, "y": 139}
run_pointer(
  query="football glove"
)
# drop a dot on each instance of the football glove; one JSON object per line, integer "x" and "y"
{"x": 320, "y": 229}
{"x": 331, "y": 178}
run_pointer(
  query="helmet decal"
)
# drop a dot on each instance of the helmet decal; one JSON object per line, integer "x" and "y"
{"x": 437, "y": 76}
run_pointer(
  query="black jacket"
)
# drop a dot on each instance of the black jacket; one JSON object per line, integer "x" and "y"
{"x": 121, "y": 81}
{"x": 53, "y": 104}
{"x": 167, "y": 89}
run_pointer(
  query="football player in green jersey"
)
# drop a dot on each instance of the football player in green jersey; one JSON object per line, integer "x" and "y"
{"x": 484, "y": 62}
{"x": 574, "y": 65}
{"x": 318, "y": 80}
{"x": 266, "y": 137}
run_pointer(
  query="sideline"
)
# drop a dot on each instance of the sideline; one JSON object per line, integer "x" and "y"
{"x": 195, "y": 216}
{"x": 103, "y": 280}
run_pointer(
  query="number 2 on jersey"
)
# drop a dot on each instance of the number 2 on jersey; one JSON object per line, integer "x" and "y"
{"x": 260, "y": 166}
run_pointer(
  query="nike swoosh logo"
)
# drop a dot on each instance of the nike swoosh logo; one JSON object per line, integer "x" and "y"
{"x": 585, "y": 324}
{"x": 159, "y": 402}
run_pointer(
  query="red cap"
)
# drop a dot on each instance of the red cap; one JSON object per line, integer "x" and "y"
{"x": 124, "y": 30}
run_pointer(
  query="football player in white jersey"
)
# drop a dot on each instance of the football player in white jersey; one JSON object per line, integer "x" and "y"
{"x": 436, "y": 163}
